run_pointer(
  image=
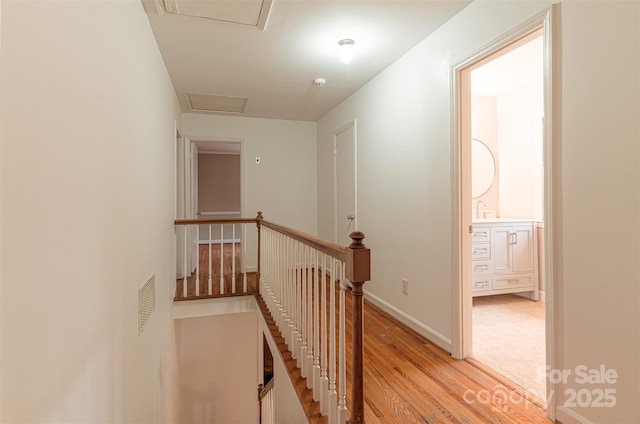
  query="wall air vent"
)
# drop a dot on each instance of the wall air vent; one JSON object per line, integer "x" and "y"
{"x": 216, "y": 104}
{"x": 146, "y": 302}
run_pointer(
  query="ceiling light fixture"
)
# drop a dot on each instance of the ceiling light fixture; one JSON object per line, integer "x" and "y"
{"x": 346, "y": 49}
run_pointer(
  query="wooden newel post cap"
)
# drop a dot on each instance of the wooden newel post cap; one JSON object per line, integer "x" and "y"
{"x": 259, "y": 218}
{"x": 356, "y": 240}
{"x": 358, "y": 260}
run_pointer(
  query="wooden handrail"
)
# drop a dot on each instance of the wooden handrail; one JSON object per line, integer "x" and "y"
{"x": 332, "y": 249}
{"x": 215, "y": 221}
{"x": 263, "y": 390}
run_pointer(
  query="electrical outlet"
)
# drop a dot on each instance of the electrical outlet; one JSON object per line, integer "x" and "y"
{"x": 405, "y": 286}
{"x": 257, "y": 160}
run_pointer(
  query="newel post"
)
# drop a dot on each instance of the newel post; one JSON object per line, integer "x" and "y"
{"x": 259, "y": 219}
{"x": 358, "y": 271}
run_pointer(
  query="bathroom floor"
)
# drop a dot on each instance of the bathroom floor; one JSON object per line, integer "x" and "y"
{"x": 509, "y": 337}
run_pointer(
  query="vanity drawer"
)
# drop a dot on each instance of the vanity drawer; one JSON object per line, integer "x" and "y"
{"x": 481, "y": 267}
{"x": 481, "y": 251}
{"x": 481, "y": 283}
{"x": 513, "y": 281}
{"x": 481, "y": 234}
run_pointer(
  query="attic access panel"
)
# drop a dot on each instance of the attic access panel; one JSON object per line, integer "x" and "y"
{"x": 245, "y": 12}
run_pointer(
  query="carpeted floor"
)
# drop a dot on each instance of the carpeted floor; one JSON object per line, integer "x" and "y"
{"x": 509, "y": 337}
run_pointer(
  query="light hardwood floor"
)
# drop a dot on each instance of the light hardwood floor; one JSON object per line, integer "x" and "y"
{"x": 407, "y": 378}
{"x": 410, "y": 380}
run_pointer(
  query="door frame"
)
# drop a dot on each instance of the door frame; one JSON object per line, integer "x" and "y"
{"x": 461, "y": 182}
{"x": 352, "y": 124}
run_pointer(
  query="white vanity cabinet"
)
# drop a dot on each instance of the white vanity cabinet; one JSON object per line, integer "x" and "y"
{"x": 504, "y": 257}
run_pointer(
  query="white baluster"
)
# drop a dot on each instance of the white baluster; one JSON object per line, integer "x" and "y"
{"x": 243, "y": 256}
{"x": 279, "y": 281}
{"x": 233, "y": 258}
{"x": 268, "y": 279}
{"x": 310, "y": 326}
{"x": 292, "y": 301}
{"x": 186, "y": 267}
{"x": 221, "y": 259}
{"x": 197, "y": 260}
{"x": 333, "y": 394}
{"x": 342, "y": 390}
{"x": 317, "y": 383}
{"x": 210, "y": 279}
{"x": 303, "y": 312}
{"x": 296, "y": 304}
{"x": 323, "y": 353}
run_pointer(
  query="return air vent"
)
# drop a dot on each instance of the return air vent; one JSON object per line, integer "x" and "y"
{"x": 146, "y": 302}
{"x": 216, "y": 104}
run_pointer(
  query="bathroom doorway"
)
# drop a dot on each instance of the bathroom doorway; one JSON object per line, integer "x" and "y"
{"x": 507, "y": 118}
{"x": 502, "y": 187}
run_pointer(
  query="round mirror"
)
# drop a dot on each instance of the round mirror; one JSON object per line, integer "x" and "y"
{"x": 483, "y": 168}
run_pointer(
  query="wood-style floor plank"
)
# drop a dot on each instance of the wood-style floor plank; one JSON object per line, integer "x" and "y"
{"x": 410, "y": 380}
{"x": 229, "y": 251}
{"x": 407, "y": 379}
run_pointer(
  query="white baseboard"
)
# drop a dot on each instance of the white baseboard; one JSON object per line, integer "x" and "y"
{"x": 543, "y": 298}
{"x": 567, "y": 416}
{"x": 417, "y": 326}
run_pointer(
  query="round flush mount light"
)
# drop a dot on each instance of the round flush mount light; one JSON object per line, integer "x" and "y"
{"x": 319, "y": 82}
{"x": 347, "y": 47}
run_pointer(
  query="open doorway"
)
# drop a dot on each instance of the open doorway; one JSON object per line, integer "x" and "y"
{"x": 507, "y": 116}
{"x": 218, "y": 180}
{"x": 501, "y": 245}
{"x": 219, "y": 194}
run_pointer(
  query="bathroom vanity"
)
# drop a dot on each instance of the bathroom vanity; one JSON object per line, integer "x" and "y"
{"x": 504, "y": 257}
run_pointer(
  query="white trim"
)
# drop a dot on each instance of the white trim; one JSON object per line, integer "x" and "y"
{"x": 424, "y": 330}
{"x": 214, "y": 242}
{"x": 219, "y": 153}
{"x": 552, "y": 180}
{"x": 567, "y": 416}
{"x": 219, "y": 213}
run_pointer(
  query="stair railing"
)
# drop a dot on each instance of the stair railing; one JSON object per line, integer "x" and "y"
{"x": 303, "y": 280}
{"x": 266, "y": 403}
{"x": 212, "y": 258}
{"x": 299, "y": 275}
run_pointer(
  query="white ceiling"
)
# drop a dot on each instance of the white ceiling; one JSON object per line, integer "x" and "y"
{"x": 275, "y": 68}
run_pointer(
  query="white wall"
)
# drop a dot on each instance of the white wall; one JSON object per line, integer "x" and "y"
{"x": 404, "y": 157}
{"x": 484, "y": 127}
{"x": 217, "y": 362}
{"x": 599, "y": 238}
{"x": 288, "y": 407}
{"x": 404, "y": 164}
{"x": 519, "y": 153}
{"x": 88, "y": 114}
{"x": 283, "y": 185}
